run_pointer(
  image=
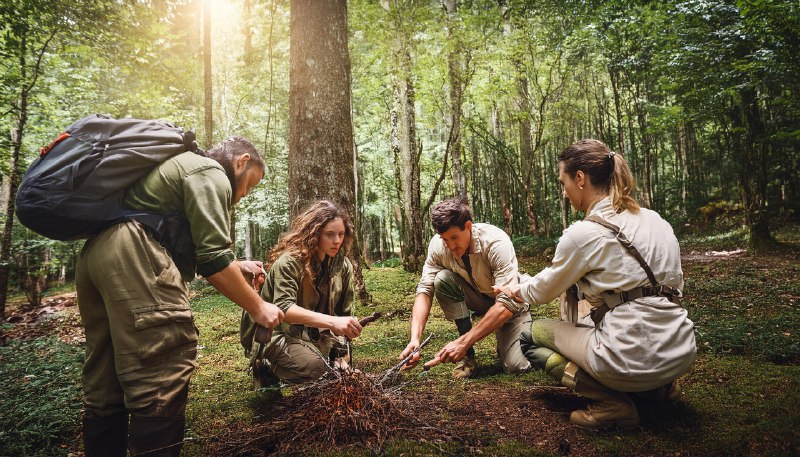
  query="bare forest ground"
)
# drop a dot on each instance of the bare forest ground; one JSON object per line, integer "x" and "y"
{"x": 742, "y": 397}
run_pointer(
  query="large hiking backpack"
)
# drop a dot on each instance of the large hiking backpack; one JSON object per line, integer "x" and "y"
{"x": 75, "y": 188}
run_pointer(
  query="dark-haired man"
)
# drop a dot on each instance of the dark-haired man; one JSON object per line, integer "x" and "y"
{"x": 141, "y": 341}
{"x": 464, "y": 261}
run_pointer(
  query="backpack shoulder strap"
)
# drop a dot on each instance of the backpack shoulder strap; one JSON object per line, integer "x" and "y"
{"x": 627, "y": 244}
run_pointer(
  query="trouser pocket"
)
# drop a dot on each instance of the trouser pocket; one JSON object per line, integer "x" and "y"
{"x": 164, "y": 330}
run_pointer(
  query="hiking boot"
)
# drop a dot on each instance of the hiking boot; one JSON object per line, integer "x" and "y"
{"x": 262, "y": 375}
{"x": 615, "y": 411}
{"x": 465, "y": 368}
{"x": 612, "y": 409}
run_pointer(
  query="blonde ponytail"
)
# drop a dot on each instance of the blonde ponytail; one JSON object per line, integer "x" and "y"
{"x": 607, "y": 170}
{"x": 621, "y": 185}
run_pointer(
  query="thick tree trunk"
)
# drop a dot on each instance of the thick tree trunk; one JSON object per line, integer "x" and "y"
{"x": 320, "y": 123}
{"x": 751, "y": 150}
{"x": 320, "y": 128}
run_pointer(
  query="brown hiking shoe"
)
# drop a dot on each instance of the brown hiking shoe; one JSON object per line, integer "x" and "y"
{"x": 617, "y": 411}
{"x": 464, "y": 368}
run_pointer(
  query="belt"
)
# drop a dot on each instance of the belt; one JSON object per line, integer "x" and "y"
{"x": 615, "y": 299}
{"x": 612, "y": 299}
{"x": 302, "y": 332}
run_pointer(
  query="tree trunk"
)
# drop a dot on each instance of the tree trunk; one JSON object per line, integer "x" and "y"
{"x": 508, "y": 218}
{"x": 5, "y": 250}
{"x": 320, "y": 123}
{"x": 247, "y": 29}
{"x": 208, "y": 99}
{"x": 455, "y": 74}
{"x": 404, "y": 145}
{"x": 526, "y": 153}
{"x": 16, "y": 148}
{"x": 751, "y": 150}
{"x": 614, "y": 76}
{"x": 248, "y": 240}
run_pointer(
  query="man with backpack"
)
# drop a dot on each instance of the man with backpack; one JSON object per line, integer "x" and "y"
{"x": 141, "y": 341}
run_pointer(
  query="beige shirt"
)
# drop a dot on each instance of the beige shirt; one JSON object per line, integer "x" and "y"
{"x": 491, "y": 257}
{"x": 646, "y": 341}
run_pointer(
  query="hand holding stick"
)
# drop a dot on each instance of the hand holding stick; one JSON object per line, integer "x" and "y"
{"x": 405, "y": 360}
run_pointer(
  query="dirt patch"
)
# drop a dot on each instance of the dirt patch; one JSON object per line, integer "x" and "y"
{"x": 537, "y": 416}
{"x": 469, "y": 417}
{"x": 57, "y": 316}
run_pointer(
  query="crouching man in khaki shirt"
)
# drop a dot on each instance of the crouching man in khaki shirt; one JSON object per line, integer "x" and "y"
{"x": 464, "y": 261}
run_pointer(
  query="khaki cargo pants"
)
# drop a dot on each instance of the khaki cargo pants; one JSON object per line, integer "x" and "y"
{"x": 295, "y": 361}
{"x": 459, "y": 299}
{"x": 141, "y": 341}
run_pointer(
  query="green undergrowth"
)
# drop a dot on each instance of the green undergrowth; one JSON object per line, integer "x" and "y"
{"x": 40, "y": 397}
{"x": 746, "y": 305}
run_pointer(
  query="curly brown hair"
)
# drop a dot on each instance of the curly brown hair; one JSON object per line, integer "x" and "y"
{"x": 302, "y": 239}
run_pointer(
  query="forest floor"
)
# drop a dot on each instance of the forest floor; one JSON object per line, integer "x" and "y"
{"x": 741, "y": 397}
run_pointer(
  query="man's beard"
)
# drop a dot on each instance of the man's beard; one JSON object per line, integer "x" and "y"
{"x": 232, "y": 178}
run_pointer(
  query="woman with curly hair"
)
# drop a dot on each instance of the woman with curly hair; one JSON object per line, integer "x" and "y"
{"x": 311, "y": 280}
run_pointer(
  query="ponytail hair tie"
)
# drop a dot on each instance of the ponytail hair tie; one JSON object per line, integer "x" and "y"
{"x": 611, "y": 155}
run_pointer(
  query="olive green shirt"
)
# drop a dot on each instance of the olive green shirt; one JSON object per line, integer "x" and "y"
{"x": 287, "y": 285}
{"x": 195, "y": 188}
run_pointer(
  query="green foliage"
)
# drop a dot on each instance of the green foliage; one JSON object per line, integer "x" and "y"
{"x": 40, "y": 396}
{"x": 392, "y": 262}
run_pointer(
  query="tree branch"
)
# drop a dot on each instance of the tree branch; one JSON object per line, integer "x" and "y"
{"x": 436, "y": 186}
{"x": 39, "y": 61}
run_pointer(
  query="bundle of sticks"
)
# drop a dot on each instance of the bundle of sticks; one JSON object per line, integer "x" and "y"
{"x": 343, "y": 408}
{"x": 347, "y": 408}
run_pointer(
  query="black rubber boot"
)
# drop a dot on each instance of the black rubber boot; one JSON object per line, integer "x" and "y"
{"x": 156, "y": 436}
{"x": 105, "y": 436}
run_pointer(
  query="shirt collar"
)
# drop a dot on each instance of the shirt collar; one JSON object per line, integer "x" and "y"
{"x": 476, "y": 236}
{"x": 602, "y": 207}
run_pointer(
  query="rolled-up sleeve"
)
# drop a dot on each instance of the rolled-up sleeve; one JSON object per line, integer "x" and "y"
{"x": 207, "y": 203}
{"x": 433, "y": 265}
{"x": 569, "y": 265}
{"x": 503, "y": 263}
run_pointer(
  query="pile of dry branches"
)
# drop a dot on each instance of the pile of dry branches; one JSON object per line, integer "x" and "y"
{"x": 340, "y": 410}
